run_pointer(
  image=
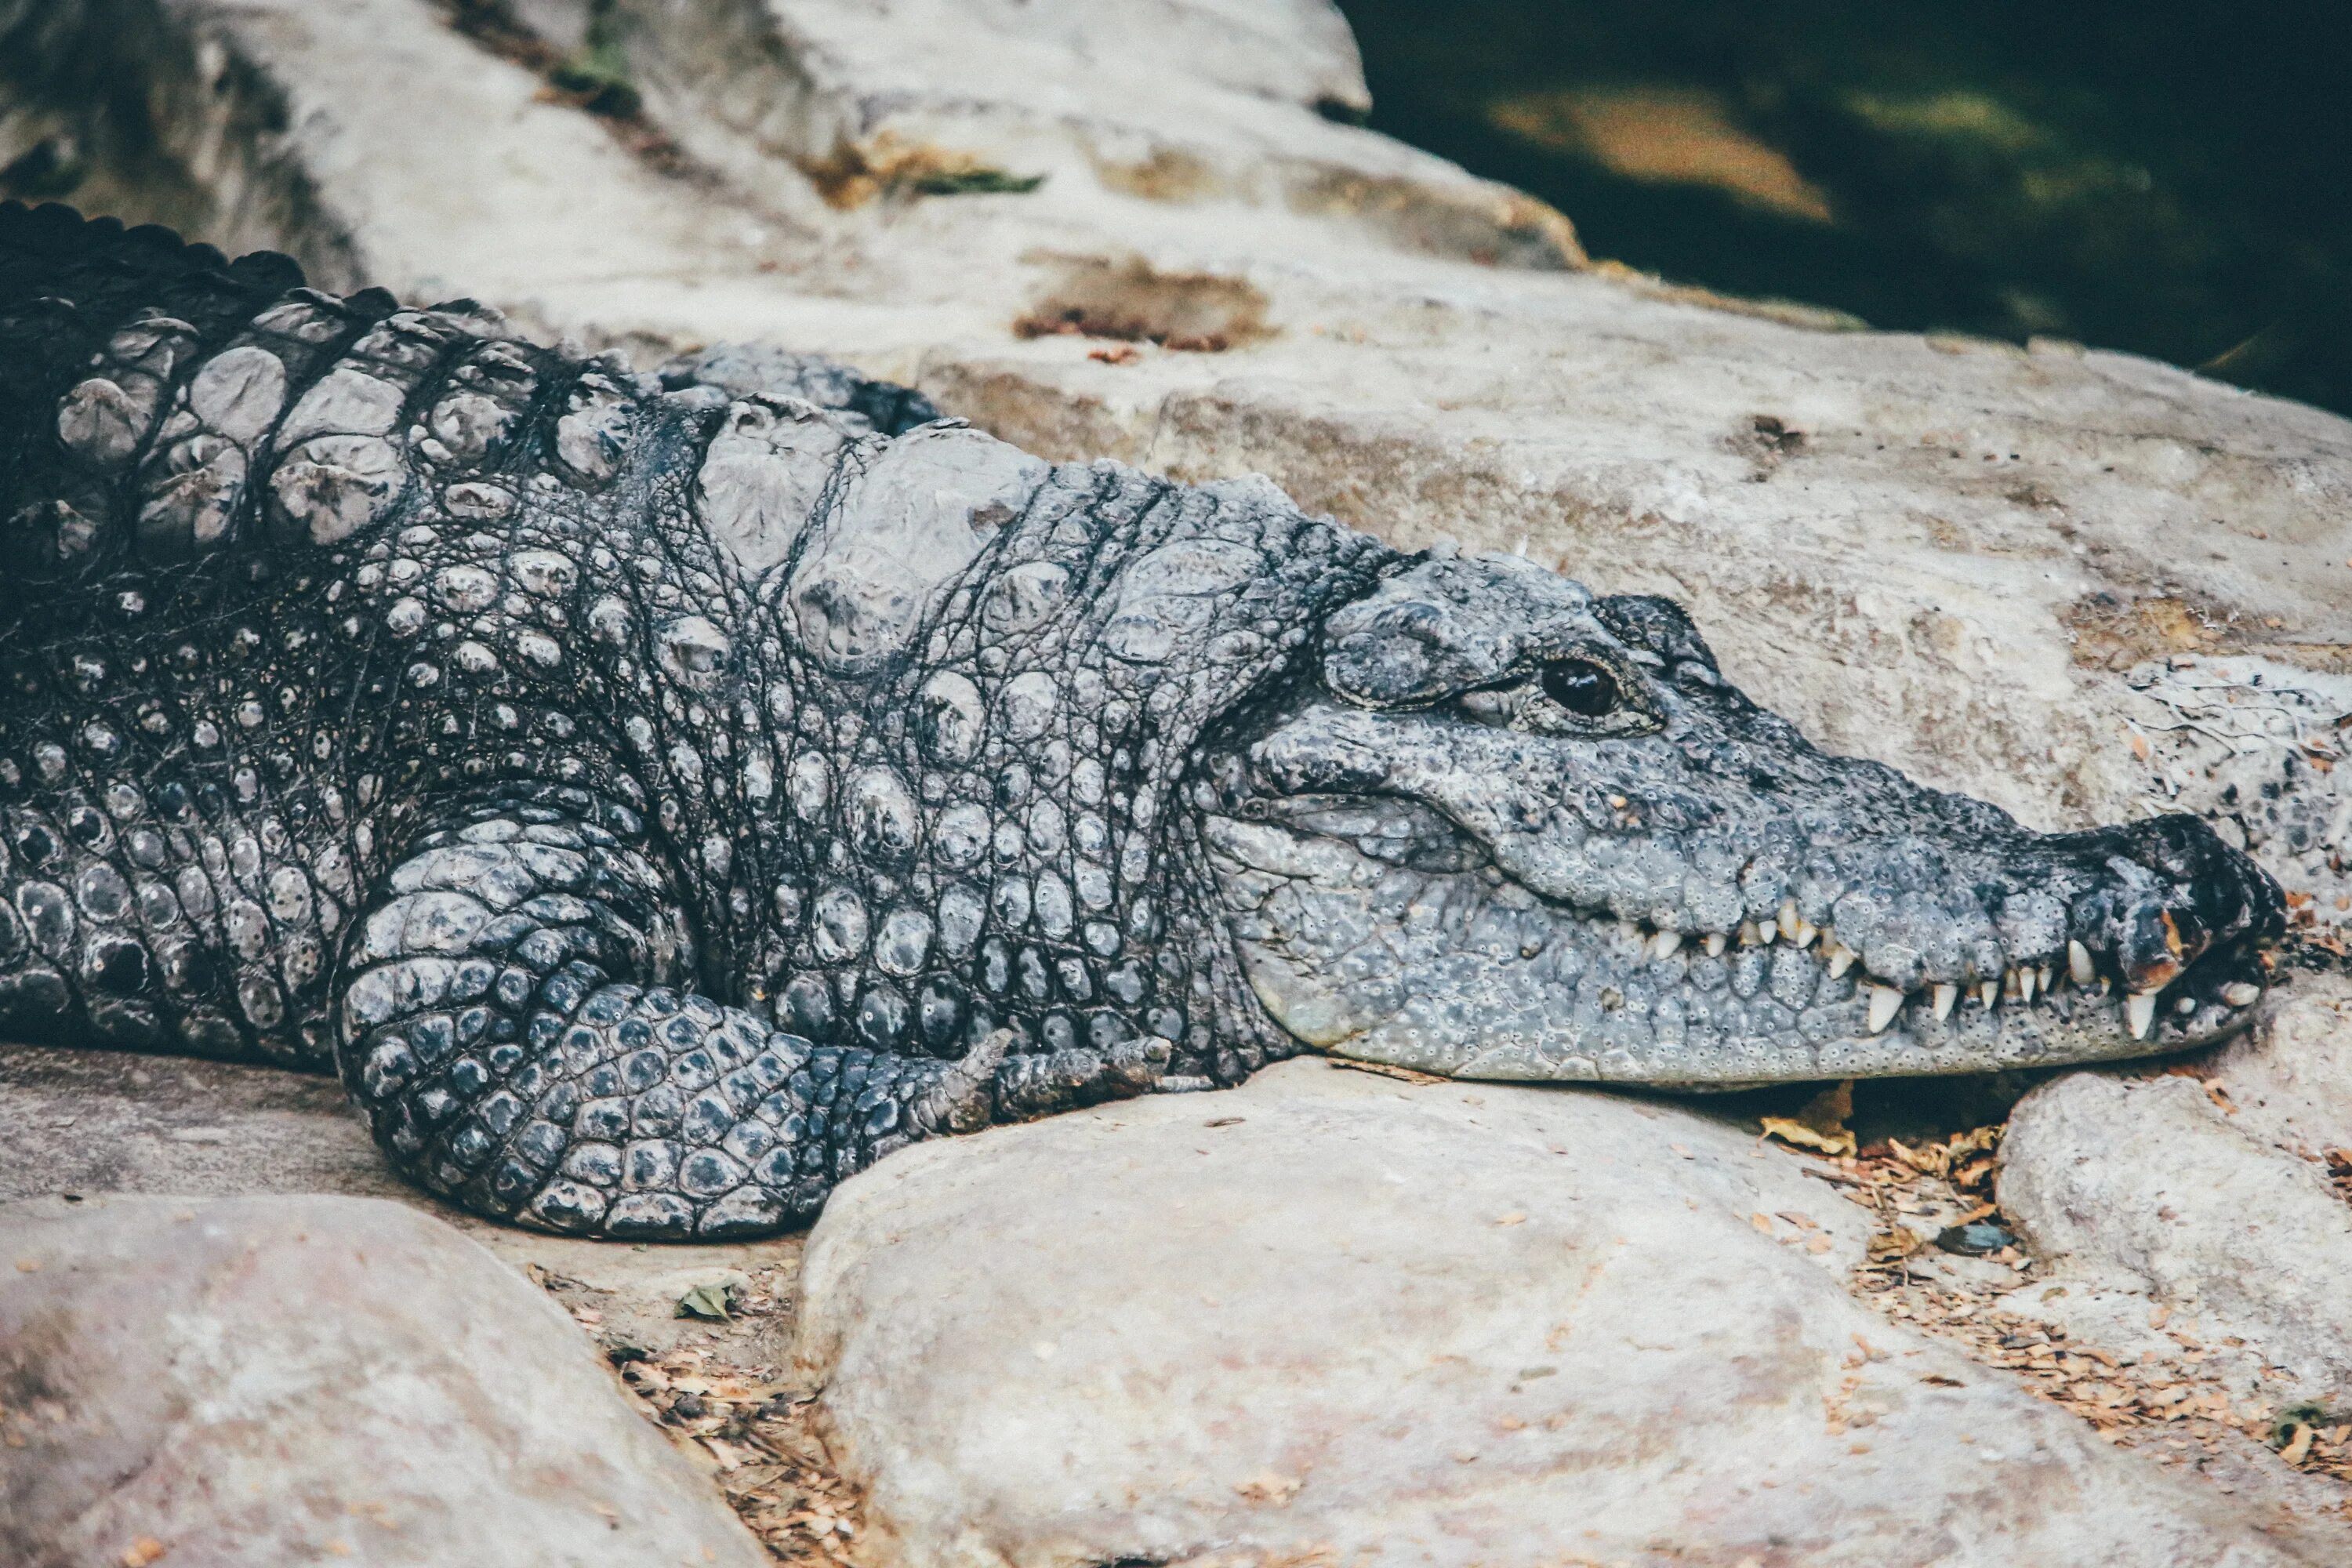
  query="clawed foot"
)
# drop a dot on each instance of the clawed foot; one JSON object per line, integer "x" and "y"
{"x": 1042, "y": 1084}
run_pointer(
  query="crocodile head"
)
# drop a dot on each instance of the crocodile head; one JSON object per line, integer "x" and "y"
{"x": 1506, "y": 828}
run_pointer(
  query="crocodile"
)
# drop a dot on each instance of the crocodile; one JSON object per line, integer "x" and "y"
{"x": 660, "y": 795}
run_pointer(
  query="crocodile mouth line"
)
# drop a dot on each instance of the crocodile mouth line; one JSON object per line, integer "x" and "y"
{"x": 1841, "y": 1008}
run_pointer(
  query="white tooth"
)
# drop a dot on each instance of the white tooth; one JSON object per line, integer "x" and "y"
{"x": 2185, "y": 1006}
{"x": 1987, "y": 995}
{"x": 1667, "y": 942}
{"x": 1841, "y": 960}
{"x": 1884, "y": 1003}
{"x": 1805, "y": 934}
{"x": 1715, "y": 944}
{"x": 2106, "y": 986}
{"x": 2140, "y": 1013}
{"x": 2025, "y": 978}
{"x": 1748, "y": 934}
{"x": 2242, "y": 993}
{"x": 1945, "y": 997}
{"x": 1789, "y": 920}
{"x": 2078, "y": 964}
{"x": 2047, "y": 980}
{"x": 1630, "y": 931}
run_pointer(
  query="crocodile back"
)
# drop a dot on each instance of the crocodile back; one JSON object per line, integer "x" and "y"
{"x": 82, "y": 300}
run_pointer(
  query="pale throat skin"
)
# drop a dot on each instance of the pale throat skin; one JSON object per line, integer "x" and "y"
{"x": 660, "y": 797}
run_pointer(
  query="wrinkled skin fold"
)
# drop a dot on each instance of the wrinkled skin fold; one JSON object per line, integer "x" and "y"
{"x": 661, "y": 796}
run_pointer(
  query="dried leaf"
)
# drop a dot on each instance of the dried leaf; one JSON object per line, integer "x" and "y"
{"x": 2298, "y": 1446}
{"x": 1790, "y": 1131}
{"x": 1900, "y": 1242}
{"x": 714, "y": 1301}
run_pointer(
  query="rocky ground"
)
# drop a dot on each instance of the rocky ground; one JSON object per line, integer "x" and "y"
{"x": 1339, "y": 1311}
{"x": 1333, "y": 1315}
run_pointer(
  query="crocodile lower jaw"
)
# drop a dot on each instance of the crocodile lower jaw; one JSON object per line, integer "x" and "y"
{"x": 1467, "y": 973}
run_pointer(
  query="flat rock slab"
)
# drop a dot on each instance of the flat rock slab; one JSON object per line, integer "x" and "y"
{"x": 1329, "y": 1316}
{"x": 280, "y": 1380}
{"x": 87, "y": 1122}
{"x": 101, "y": 1121}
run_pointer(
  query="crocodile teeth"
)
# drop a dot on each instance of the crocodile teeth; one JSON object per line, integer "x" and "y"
{"x": 1884, "y": 1003}
{"x": 2025, "y": 978}
{"x": 1715, "y": 944}
{"x": 1987, "y": 995}
{"x": 1841, "y": 960}
{"x": 2048, "y": 982}
{"x": 1805, "y": 934}
{"x": 1788, "y": 923}
{"x": 2140, "y": 1013}
{"x": 2078, "y": 964}
{"x": 1748, "y": 935}
{"x": 1669, "y": 941}
{"x": 2242, "y": 993}
{"x": 1945, "y": 997}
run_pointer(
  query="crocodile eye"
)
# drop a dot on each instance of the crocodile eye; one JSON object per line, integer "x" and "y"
{"x": 1582, "y": 686}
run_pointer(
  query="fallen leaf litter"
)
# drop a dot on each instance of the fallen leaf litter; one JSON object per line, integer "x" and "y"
{"x": 2175, "y": 1408}
{"x": 737, "y": 1418}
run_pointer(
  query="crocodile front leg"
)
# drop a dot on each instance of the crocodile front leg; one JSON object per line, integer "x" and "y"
{"x": 518, "y": 1017}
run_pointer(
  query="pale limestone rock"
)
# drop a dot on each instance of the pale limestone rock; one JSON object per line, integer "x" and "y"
{"x": 1329, "y": 1312}
{"x": 314, "y": 1379}
{"x": 2150, "y": 1187}
{"x": 2291, "y": 1079}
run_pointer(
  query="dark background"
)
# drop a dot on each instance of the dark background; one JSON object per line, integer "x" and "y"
{"x": 2173, "y": 179}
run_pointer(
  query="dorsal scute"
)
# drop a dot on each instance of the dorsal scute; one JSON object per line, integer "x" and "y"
{"x": 901, "y": 520}
{"x": 104, "y": 330}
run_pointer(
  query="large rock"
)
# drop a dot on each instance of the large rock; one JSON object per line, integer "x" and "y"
{"x": 1329, "y": 1315}
{"x": 2212, "y": 1202}
{"x": 303, "y": 1380}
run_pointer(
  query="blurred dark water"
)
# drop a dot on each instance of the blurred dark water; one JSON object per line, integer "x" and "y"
{"x": 2170, "y": 178}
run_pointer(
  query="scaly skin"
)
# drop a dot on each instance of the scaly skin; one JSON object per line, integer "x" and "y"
{"x": 661, "y": 799}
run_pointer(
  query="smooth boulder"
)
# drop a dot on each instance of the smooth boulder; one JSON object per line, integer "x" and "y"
{"x": 279, "y": 1380}
{"x": 1331, "y": 1313}
{"x": 2209, "y": 1197}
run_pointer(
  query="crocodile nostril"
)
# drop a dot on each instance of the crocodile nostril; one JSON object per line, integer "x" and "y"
{"x": 2151, "y": 953}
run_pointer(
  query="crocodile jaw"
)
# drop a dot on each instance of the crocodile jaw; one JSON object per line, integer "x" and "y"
{"x": 1461, "y": 970}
